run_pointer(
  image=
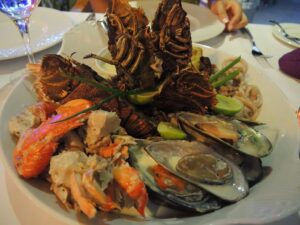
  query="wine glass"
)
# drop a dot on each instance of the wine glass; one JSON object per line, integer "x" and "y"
{"x": 19, "y": 11}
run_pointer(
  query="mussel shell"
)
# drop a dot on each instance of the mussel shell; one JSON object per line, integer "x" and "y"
{"x": 168, "y": 153}
{"x": 252, "y": 169}
{"x": 251, "y": 123}
{"x": 205, "y": 168}
{"x": 250, "y": 141}
{"x": 251, "y": 166}
{"x": 199, "y": 201}
{"x": 234, "y": 156}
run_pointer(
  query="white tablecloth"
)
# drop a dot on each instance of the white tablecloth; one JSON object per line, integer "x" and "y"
{"x": 16, "y": 208}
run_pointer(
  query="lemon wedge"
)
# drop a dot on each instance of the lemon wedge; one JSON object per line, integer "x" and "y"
{"x": 147, "y": 96}
{"x": 142, "y": 98}
{"x": 169, "y": 131}
{"x": 197, "y": 52}
{"x": 227, "y": 105}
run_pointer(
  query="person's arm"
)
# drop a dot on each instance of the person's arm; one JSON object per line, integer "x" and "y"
{"x": 229, "y": 12}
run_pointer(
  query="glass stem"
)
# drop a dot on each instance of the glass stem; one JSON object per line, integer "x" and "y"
{"x": 23, "y": 25}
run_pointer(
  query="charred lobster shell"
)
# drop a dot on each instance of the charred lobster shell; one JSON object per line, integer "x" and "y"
{"x": 172, "y": 36}
{"x": 187, "y": 91}
{"x": 52, "y": 81}
{"x": 128, "y": 35}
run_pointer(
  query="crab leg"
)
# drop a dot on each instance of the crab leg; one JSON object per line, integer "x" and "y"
{"x": 85, "y": 204}
{"x": 94, "y": 190}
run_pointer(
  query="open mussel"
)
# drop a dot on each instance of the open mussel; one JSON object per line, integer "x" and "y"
{"x": 170, "y": 189}
{"x": 187, "y": 159}
{"x": 231, "y": 132}
{"x": 189, "y": 174}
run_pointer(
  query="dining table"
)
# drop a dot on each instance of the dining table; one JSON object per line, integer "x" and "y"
{"x": 17, "y": 209}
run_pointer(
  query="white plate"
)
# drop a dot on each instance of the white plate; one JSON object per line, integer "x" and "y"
{"x": 292, "y": 29}
{"x": 204, "y": 24}
{"x": 85, "y": 38}
{"x": 47, "y": 27}
{"x": 276, "y": 197}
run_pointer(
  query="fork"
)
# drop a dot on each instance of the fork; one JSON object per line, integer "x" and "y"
{"x": 285, "y": 34}
{"x": 255, "y": 50}
{"x": 91, "y": 16}
{"x": 103, "y": 24}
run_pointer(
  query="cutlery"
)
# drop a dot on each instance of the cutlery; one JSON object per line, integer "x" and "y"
{"x": 91, "y": 16}
{"x": 285, "y": 34}
{"x": 255, "y": 50}
{"x": 103, "y": 24}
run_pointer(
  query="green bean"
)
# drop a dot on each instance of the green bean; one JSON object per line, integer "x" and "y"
{"x": 225, "y": 79}
{"x": 223, "y": 70}
{"x": 115, "y": 93}
{"x": 94, "y": 107}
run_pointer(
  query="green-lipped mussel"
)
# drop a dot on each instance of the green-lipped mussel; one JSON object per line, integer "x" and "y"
{"x": 208, "y": 177}
{"x": 184, "y": 195}
{"x": 228, "y": 131}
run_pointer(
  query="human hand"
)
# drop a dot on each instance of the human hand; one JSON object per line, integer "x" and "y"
{"x": 230, "y": 13}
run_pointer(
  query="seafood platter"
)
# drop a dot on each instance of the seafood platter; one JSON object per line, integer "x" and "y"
{"x": 172, "y": 136}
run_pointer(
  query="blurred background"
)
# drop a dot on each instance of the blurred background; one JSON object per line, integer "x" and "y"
{"x": 280, "y": 10}
{"x": 258, "y": 11}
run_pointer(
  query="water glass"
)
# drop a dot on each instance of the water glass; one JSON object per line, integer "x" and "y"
{"x": 19, "y": 11}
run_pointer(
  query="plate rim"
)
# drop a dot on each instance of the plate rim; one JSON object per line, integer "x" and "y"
{"x": 17, "y": 180}
{"x": 46, "y": 46}
{"x": 279, "y": 35}
{"x": 195, "y": 34}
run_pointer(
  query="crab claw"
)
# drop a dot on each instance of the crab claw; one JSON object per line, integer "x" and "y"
{"x": 95, "y": 192}
{"x": 129, "y": 180}
{"x": 36, "y": 146}
{"x": 84, "y": 203}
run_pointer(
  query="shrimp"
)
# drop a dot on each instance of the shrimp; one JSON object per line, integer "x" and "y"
{"x": 36, "y": 146}
{"x": 130, "y": 182}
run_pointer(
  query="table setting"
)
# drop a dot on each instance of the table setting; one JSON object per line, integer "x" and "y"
{"x": 271, "y": 56}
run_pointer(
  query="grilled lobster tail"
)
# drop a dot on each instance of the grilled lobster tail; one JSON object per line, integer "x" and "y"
{"x": 172, "y": 34}
{"x": 139, "y": 54}
{"x": 186, "y": 91}
{"x": 51, "y": 82}
{"x": 186, "y": 88}
{"x": 128, "y": 34}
